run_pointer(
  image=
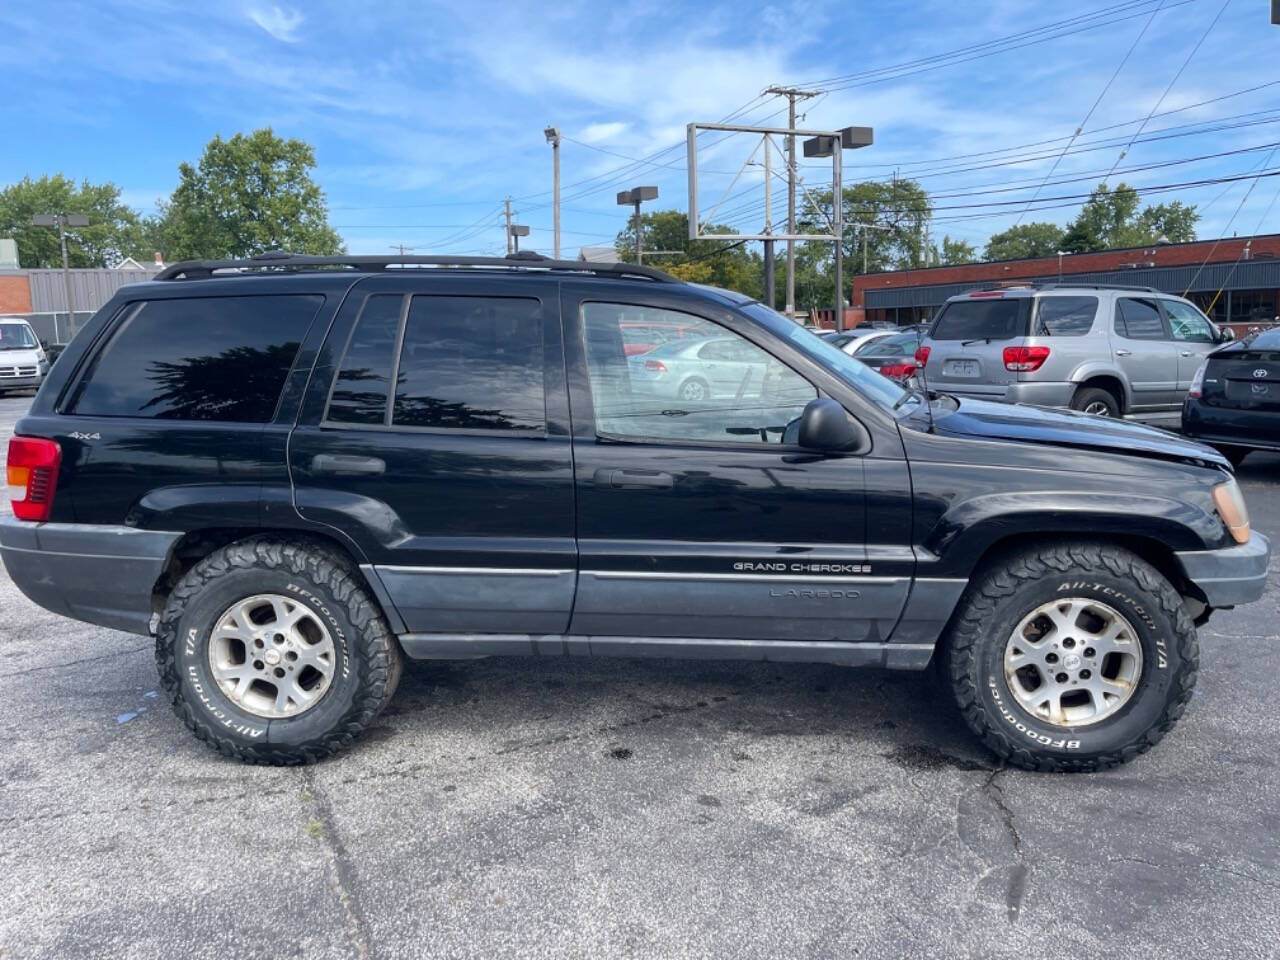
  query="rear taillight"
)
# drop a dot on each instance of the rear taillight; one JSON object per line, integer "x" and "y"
{"x": 655, "y": 366}
{"x": 1197, "y": 383}
{"x": 899, "y": 370}
{"x": 922, "y": 356}
{"x": 1025, "y": 359}
{"x": 32, "y": 473}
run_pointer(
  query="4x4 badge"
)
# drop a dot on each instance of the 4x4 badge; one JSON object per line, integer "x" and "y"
{"x": 85, "y": 436}
{"x": 1260, "y": 372}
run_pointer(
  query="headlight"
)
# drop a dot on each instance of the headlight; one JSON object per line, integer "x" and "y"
{"x": 1231, "y": 508}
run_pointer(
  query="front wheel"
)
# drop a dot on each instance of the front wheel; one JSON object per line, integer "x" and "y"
{"x": 1073, "y": 657}
{"x": 275, "y": 653}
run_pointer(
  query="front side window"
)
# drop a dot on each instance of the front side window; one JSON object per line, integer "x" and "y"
{"x": 711, "y": 385}
{"x": 1139, "y": 319}
{"x": 1065, "y": 316}
{"x": 1187, "y": 323}
{"x": 471, "y": 363}
{"x": 198, "y": 358}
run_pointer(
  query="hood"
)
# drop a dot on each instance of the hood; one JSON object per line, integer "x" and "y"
{"x": 24, "y": 356}
{"x": 1069, "y": 428}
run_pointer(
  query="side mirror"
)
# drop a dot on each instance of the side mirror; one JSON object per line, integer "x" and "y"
{"x": 1226, "y": 334}
{"x": 825, "y": 427}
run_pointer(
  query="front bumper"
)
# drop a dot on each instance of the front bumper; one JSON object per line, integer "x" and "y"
{"x": 98, "y": 574}
{"x": 1231, "y": 575}
{"x": 20, "y": 383}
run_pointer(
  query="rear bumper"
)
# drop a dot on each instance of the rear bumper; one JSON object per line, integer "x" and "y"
{"x": 1051, "y": 394}
{"x": 1255, "y": 429}
{"x": 98, "y": 574}
{"x": 1232, "y": 575}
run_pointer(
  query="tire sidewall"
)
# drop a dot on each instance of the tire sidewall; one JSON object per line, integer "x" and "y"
{"x": 200, "y": 689}
{"x": 1157, "y": 683}
{"x": 1091, "y": 394}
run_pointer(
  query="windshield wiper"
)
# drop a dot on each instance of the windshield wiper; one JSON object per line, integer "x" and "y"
{"x": 966, "y": 343}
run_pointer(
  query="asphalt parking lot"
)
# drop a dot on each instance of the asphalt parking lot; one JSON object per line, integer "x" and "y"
{"x": 514, "y": 808}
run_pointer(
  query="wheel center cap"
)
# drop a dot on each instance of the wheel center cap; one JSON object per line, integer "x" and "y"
{"x": 273, "y": 657}
{"x": 1071, "y": 661}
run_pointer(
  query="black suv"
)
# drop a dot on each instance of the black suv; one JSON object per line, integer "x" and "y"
{"x": 293, "y": 471}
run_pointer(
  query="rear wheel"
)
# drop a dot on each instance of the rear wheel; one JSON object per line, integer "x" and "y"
{"x": 1072, "y": 657}
{"x": 1096, "y": 402}
{"x": 275, "y": 653}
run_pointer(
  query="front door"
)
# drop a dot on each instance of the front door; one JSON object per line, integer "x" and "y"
{"x": 434, "y": 439}
{"x": 1192, "y": 335}
{"x": 1143, "y": 350}
{"x": 698, "y": 517}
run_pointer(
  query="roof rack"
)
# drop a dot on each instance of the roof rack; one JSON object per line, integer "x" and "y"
{"x": 280, "y": 261}
{"x": 1097, "y": 286}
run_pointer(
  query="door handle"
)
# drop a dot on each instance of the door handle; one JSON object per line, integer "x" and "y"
{"x": 620, "y": 478}
{"x": 345, "y": 465}
{"x": 1123, "y": 352}
{"x": 1185, "y": 353}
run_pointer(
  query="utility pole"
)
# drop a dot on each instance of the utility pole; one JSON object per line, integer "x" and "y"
{"x": 62, "y": 221}
{"x": 768, "y": 223}
{"x": 402, "y": 248}
{"x": 792, "y": 95}
{"x": 507, "y": 213}
{"x": 553, "y": 137}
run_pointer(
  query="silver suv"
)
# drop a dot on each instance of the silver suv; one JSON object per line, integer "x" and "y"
{"x": 1106, "y": 350}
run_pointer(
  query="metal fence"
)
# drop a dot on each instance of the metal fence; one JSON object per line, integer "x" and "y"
{"x": 90, "y": 289}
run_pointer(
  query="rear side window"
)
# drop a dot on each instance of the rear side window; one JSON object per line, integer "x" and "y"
{"x": 1000, "y": 318}
{"x": 1139, "y": 319}
{"x": 471, "y": 363}
{"x": 198, "y": 358}
{"x": 1065, "y": 316}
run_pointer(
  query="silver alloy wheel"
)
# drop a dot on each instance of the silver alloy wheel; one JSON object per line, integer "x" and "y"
{"x": 1073, "y": 662}
{"x": 1098, "y": 409}
{"x": 271, "y": 656}
{"x": 693, "y": 390}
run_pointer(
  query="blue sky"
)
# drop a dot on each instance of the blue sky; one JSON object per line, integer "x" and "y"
{"x": 425, "y": 116}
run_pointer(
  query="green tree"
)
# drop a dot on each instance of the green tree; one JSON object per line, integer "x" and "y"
{"x": 884, "y": 225}
{"x": 955, "y": 252}
{"x": 115, "y": 231}
{"x": 1024, "y": 241}
{"x": 1111, "y": 219}
{"x": 247, "y": 195}
{"x": 717, "y": 262}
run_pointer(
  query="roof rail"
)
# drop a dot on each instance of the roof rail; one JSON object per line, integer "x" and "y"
{"x": 279, "y": 261}
{"x": 1097, "y": 286}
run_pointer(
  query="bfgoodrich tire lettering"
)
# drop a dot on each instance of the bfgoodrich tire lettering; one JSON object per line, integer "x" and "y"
{"x": 996, "y": 603}
{"x": 366, "y": 656}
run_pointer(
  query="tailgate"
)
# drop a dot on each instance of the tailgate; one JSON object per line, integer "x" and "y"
{"x": 1245, "y": 381}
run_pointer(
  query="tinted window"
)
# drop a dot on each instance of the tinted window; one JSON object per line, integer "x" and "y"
{"x": 998, "y": 318}
{"x": 361, "y": 389}
{"x": 471, "y": 363}
{"x": 1065, "y": 316}
{"x": 1139, "y": 320}
{"x": 897, "y": 345}
{"x": 720, "y": 388}
{"x": 1187, "y": 323}
{"x": 207, "y": 358}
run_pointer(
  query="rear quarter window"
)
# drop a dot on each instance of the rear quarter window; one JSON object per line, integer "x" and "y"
{"x": 1065, "y": 316}
{"x": 998, "y": 318}
{"x": 197, "y": 358}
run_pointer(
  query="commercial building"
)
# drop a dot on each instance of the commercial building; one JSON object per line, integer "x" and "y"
{"x": 1234, "y": 280}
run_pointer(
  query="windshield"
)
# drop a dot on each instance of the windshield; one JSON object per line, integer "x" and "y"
{"x": 857, "y": 374}
{"x": 16, "y": 336}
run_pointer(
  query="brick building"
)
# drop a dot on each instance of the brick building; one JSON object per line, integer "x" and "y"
{"x": 1235, "y": 280}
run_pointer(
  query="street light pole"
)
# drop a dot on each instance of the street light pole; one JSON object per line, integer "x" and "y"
{"x": 553, "y": 137}
{"x": 633, "y": 198}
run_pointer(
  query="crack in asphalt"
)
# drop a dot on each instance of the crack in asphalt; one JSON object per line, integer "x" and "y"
{"x": 339, "y": 869}
{"x": 1017, "y": 888}
{"x": 73, "y": 663}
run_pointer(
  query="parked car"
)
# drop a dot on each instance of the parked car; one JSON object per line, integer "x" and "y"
{"x": 1234, "y": 401}
{"x": 893, "y": 356}
{"x": 295, "y": 471}
{"x": 22, "y": 360}
{"x": 641, "y": 336}
{"x": 859, "y": 336}
{"x": 1104, "y": 350}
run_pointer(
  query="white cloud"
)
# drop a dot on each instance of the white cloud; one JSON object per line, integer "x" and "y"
{"x": 281, "y": 22}
{"x": 600, "y": 132}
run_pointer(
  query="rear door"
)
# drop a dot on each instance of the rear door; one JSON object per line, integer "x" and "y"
{"x": 967, "y": 344}
{"x": 1144, "y": 350}
{"x": 434, "y": 439}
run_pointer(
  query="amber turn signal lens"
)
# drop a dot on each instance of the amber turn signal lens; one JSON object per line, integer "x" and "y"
{"x": 1231, "y": 508}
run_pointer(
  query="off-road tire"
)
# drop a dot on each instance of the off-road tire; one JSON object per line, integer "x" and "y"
{"x": 368, "y": 655}
{"x": 1096, "y": 395}
{"x": 995, "y": 603}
